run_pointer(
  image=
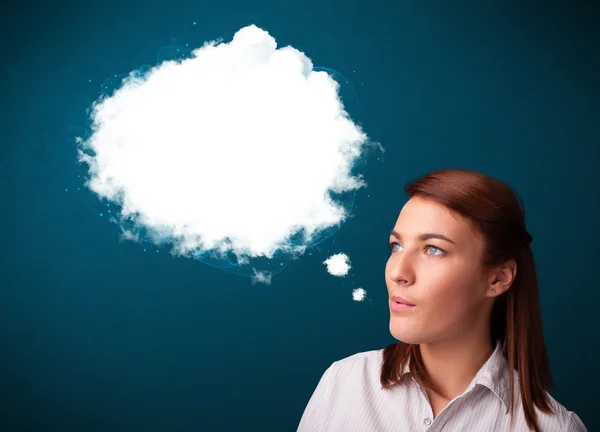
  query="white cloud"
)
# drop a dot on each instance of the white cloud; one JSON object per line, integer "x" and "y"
{"x": 235, "y": 148}
{"x": 338, "y": 264}
{"x": 359, "y": 294}
{"x": 261, "y": 277}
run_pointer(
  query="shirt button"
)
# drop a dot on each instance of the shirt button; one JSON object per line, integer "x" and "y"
{"x": 427, "y": 421}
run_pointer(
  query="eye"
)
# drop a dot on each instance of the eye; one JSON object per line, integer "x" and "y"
{"x": 434, "y": 251}
{"x": 441, "y": 252}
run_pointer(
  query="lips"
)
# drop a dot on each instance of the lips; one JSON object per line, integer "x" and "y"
{"x": 399, "y": 299}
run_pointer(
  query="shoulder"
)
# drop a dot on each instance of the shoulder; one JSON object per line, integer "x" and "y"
{"x": 360, "y": 369}
{"x": 561, "y": 419}
{"x": 359, "y": 361}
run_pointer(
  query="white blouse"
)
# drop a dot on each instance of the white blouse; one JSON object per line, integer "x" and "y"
{"x": 349, "y": 398}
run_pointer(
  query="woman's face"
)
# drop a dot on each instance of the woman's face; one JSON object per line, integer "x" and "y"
{"x": 442, "y": 278}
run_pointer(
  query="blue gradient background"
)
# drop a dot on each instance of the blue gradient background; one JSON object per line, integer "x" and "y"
{"x": 96, "y": 335}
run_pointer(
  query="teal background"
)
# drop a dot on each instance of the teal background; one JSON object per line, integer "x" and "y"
{"x": 98, "y": 335}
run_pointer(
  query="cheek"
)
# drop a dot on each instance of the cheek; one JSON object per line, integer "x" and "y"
{"x": 447, "y": 289}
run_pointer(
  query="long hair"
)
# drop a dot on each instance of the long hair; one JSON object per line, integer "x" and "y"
{"x": 516, "y": 320}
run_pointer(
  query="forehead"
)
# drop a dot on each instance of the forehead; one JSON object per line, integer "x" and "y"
{"x": 420, "y": 215}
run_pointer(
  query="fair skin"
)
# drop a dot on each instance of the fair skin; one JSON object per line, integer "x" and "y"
{"x": 451, "y": 291}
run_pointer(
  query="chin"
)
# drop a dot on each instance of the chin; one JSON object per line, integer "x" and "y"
{"x": 405, "y": 334}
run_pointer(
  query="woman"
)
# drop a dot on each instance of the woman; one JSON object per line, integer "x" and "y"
{"x": 463, "y": 301}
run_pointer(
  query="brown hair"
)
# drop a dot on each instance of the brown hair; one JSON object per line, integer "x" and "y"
{"x": 516, "y": 321}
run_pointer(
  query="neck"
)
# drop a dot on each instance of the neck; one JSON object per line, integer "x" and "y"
{"x": 452, "y": 365}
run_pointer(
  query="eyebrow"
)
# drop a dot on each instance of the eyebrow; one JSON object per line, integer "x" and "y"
{"x": 425, "y": 236}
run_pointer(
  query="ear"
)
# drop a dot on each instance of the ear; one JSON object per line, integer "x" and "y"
{"x": 502, "y": 278}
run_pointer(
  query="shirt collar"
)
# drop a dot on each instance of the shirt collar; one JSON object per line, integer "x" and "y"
{"x": 493, "y": 375}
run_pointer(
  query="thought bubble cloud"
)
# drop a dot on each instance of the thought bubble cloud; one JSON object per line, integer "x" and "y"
{"x": 238, "y": 154}
{"x": 359, "y": 294}
{"x": 338, "y": 264}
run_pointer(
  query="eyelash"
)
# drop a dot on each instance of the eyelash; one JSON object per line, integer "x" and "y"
{"x": 443, "y": 252}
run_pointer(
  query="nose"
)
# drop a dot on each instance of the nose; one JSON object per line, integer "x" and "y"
{"x": 400, "y": 268}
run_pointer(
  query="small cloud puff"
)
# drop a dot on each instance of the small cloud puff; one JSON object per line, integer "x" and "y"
{"x": 338, "y": 264}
